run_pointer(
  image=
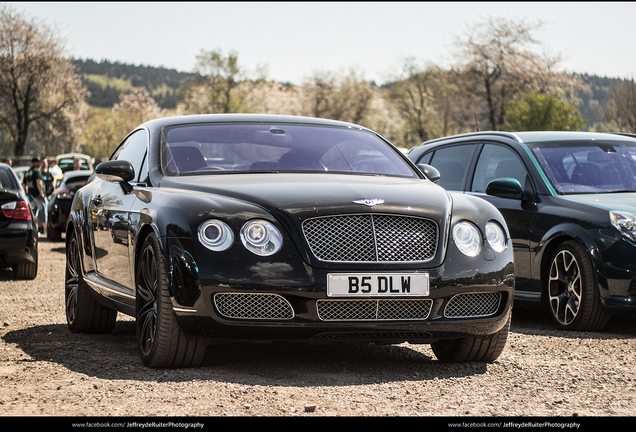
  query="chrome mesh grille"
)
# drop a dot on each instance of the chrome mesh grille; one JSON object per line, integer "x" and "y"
{"x": 472, "y": 305}
{"x": 373, "y": 310}
{"x": 371, "y": 238}
{"x": 253, "y": 306}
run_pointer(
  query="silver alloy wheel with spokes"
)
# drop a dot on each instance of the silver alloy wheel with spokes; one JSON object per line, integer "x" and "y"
{"x": 572, "y": 292}
{"x": 565, "y": 287}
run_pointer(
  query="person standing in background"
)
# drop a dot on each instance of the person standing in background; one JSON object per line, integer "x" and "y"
{"x": 47, "y": 178}
{"x": 54, "y": 168}
{"x": 33, "y": 185}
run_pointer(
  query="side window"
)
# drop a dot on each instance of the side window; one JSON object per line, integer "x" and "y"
{"x": 496, "y": 161}
{"x": 452, "y": 164}
{"x": 133, "y": 150}
{"x": 426, "y": 159}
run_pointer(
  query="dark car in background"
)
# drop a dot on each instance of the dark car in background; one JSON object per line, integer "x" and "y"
{"x": 569, "y": 200}
{"x": 60, "y": 202}
{"x": 220, "y": 228}
{"x": 18, "y": 227}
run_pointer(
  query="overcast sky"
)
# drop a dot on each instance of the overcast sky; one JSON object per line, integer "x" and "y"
{"x": 294, "y": 39}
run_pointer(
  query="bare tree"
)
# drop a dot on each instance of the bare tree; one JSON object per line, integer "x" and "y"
{"x": 39, "y": 89}
{"x": 497, "y": 63}
{"x": 136, "y": 108}
{"x": 212, "y": 90}
{"x": 428, "y": 100}
{"x": 346, "y": 96}
{"x": 621, "y": 109}
{"x": 104, "y": 129}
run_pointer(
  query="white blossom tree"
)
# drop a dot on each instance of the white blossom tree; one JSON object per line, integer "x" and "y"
{"x": 40, "y": 91}
{"x": 500, "y": 58}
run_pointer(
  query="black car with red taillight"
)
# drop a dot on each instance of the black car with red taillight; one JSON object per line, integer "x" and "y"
{"x": 18, "y": 227}
{"x": 60, "y": 202}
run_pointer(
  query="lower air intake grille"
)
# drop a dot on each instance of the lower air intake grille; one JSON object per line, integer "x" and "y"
{"x": 472, "y": 305}
{"x": 253, "y": 306}
{"x": 400, "y": 336}
{"x": 373, "y": 310}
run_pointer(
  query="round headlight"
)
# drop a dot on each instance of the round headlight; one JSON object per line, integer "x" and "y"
{"x": 496, "y": 236}
{"x": 216, "y": 235}
{"x": 261, "y": 237}
{"x": 467, "y": 238}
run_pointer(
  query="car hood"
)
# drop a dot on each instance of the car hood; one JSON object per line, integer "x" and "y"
{"x": 305, "y": 195}
{"x": 618, "y": 201}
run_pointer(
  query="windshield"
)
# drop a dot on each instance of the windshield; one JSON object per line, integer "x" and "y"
{"x": 588, "y": 167}
{"x": 223, "y": 148}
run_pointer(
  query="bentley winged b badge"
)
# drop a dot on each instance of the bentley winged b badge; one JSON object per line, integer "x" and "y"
{"x": 370, "y": 202}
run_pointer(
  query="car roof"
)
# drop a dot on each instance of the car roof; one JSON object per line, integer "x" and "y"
{"x": 541, "y": 136}
{"x": 244, "y": 118}
{"x": 73, "y": 155}
{"x": 528, "y": 137}
{"x": 78, "y": 173}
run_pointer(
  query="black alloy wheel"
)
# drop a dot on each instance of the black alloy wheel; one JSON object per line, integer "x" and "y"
{"x": 160, "y": 340}
{"x": 83, "y": 313}
{"x": 573, "y": 298}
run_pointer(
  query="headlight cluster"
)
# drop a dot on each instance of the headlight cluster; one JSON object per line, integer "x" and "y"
{"x": 625, "y": 223}
{"x": 258, "y": 236}
{"x": 469, "y": 239}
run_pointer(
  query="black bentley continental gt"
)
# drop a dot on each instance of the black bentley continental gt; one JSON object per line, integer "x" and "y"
{"x": 273, "y": 228}
{"x": 569, "y": 199}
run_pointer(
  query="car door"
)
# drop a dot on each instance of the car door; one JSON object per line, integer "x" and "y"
{"x": 110, "y": 208}
{"x": 497, "y": 161}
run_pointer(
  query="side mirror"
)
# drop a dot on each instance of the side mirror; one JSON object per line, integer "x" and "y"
{"x": 117, "y": 171}
{"x": 505, "y": 188}
{"x": 430, "y": 172}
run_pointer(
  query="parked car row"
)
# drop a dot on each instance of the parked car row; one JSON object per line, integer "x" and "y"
{"x": 60, "y": 202}
{"x": 18, "y": 219}
{"x": 208, "y": 229}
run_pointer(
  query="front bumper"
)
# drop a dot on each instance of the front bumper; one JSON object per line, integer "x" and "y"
{"x": 470, "y": 307}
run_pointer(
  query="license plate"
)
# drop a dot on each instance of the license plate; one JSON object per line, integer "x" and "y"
{"x": 377, "y": 285}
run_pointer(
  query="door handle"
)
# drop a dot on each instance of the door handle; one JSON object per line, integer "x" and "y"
{"x": 97, "y": 201}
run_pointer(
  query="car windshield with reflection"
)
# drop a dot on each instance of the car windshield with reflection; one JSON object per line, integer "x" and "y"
{"x": 605, "y": 167}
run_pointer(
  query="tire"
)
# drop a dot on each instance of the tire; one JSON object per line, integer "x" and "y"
{"x": 573, "y": 298}
{"x": 161, "y": 342}
{"x": 26, "y": 270}
{"x": 54, "y": 234}
{"x": 472, "y": 349}
{"x": 83, "y": 313}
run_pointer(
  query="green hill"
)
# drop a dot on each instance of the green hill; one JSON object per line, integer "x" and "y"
{"x": 106, "y": 80}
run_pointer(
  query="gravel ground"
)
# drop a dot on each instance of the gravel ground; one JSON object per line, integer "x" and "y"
{"x": 47, "y": 371}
